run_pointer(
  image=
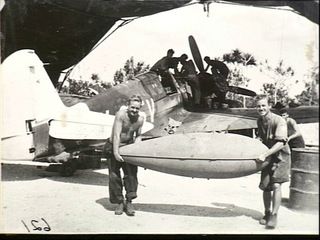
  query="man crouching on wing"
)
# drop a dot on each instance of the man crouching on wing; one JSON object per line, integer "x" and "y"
{"x": 272, "y": 130}
{"x": 126, "y": 130}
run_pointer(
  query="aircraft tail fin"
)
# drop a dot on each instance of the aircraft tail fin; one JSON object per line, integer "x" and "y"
{"x": 27, "y": 93}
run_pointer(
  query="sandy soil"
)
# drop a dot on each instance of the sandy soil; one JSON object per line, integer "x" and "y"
{"x": 43, "y": 202}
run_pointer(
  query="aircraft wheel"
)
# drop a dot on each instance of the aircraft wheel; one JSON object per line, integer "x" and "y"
{"x": 67, "y": 169}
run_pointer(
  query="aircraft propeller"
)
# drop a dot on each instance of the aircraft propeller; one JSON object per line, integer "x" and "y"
{"x": 203, "y": 75}
{"x": 196, "y": 53}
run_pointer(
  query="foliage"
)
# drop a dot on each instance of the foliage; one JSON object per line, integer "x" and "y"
{"x": 310, "y": 94}
{"x": 76, "y": 87}
{"x": 95, "y": 77}
{"x": 279, "y": 75}
{"x": 236, "y": 56}
{"x": 129, "y": 70}
{"x": 237, "y": 62}
{"x": 279, "y": 95}
{"x": 95, "y": 85}
{"x": 85, "y": 88}
{"x": 237, "y": 78}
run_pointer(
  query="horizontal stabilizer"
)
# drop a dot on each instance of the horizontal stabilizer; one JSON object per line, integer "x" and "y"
{"x": 80, "y": 123}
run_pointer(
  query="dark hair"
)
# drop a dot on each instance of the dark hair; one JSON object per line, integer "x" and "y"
{"x": 170, "y": 51}
{"x": 278, "y": 106}
{"x": 135, "y": 98}
{"x": 184, "y": 57}
{"x": 206, "y": 58}
{"x": 283, "y": 110}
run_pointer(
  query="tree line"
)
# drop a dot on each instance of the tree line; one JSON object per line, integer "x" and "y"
{"x": 237, "y": 61}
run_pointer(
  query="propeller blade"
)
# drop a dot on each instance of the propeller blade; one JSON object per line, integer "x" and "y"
{"x": 196, "y": 53}
{"x": 242, "y": 91}
{"x": 198, "y": 61}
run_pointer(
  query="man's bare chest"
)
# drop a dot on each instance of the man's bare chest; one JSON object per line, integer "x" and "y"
{"x": 128, "y": 126}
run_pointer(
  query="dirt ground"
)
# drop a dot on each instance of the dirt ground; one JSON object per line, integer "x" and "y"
{"x": 36, "y": 201}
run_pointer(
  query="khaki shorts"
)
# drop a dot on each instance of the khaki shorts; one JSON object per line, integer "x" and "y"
{"x": 269, "y": 176}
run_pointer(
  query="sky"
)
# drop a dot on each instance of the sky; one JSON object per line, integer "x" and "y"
{"x": 264, "y": 33}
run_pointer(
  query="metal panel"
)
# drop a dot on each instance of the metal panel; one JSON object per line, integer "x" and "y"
{"x": 41, "y": 138}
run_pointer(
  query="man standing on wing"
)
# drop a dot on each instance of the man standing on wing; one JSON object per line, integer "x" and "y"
{"x": 163, "y": 65}
{"x": 220, "y": 73}
{"x": 272, "y": 130}
{"x": 189, "y": 72}
{"x": 126, "y": 130}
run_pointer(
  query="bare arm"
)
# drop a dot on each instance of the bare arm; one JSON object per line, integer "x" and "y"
{"x": 117, "y": 128}
{"x": 138, "y": 131}
{"x": 176, "y": 71}
{"x": 182, "y": 70}
{"x": 297, "y": 132}
{"x": 275, "y": 148}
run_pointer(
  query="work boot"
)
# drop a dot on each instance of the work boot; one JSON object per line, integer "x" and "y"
{"x": 272, "y": 222}
{"x": 129, "y": 209}
{"x": 264, "y": 220}
{"x": 119, "y": 209}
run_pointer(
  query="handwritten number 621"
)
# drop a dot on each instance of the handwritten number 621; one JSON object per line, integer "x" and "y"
{"x": 37, "y": 225}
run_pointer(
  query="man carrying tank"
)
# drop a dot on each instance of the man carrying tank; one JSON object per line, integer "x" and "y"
{"x": 272, "y": 131}
{"x": 126, "y": 130}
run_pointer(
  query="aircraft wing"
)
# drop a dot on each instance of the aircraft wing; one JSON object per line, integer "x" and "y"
{"x": 238, "y": 119}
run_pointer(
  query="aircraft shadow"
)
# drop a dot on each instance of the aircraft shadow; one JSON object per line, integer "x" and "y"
{"x": 12, "y": 172}
{"x": 87, "y": 177}
{"x": 26, "y": 173}
{"x": 222, "y": 209}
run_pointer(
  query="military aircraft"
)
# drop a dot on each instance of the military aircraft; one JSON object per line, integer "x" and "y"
{"x": 35, "y": 126}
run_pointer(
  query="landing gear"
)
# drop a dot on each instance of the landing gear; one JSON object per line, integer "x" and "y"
{"x": 88, "y": 160}
{"x": 67, "y": 169}
{"x": 85, "y": 160}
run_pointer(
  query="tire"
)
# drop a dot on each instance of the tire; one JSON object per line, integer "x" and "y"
{"x": 67, "y": 169}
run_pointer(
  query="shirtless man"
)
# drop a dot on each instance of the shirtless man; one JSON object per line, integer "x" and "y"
{"x": 295, "y": 138}
{"x": 164, "y": 63}
{"x": 220, "y": 73}
{"x": 189, "y": 72}
{"x": 162, "y": 67}
{"x": 126, "y": 130}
